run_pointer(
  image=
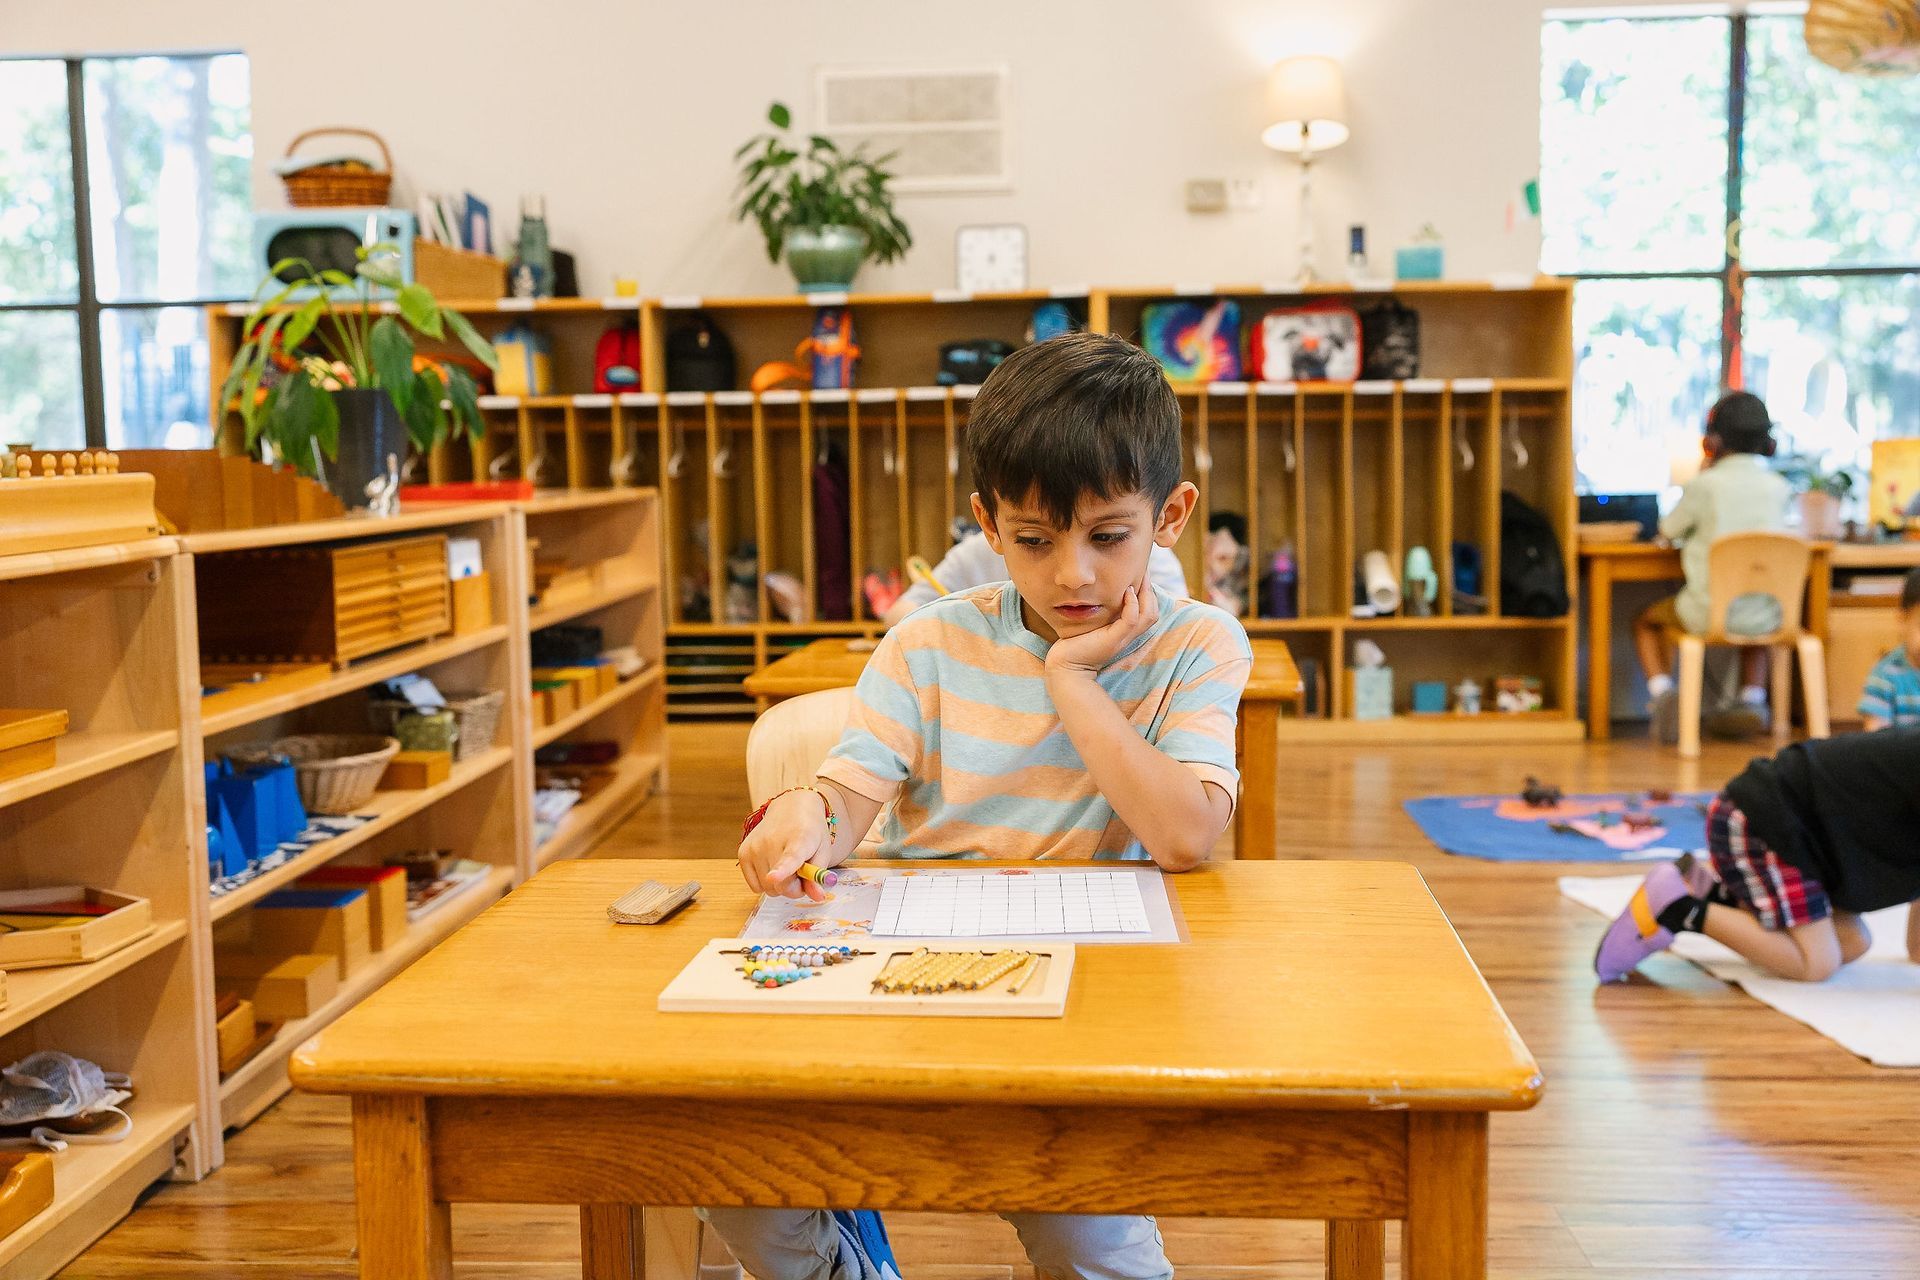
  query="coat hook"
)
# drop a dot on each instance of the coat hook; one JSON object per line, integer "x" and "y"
{"x": 1460, "y": 443}
{"x": 677, "y": 463}
{"x": 1513, "y": 439}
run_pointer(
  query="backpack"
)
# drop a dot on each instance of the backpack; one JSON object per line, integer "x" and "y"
{"x": 699, "y": 357}
{"x": 1533, "y": 576}
{"x": 1318, "y": 343}
{"x": 1392, "y": 350}
{"x": 616, "y": 359}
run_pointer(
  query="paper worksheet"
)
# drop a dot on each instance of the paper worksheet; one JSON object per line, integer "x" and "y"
{"x": 1090, "y": 905}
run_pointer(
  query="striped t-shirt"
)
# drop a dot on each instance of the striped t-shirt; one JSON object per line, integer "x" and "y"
{"x": 952, "y": 721}
{"x": 1892, "y": 692}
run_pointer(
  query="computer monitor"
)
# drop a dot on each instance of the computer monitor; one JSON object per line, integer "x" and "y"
{"x": 1641, "y": 508}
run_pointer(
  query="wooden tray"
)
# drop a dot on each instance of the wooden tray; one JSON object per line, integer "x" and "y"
{"x": 130, "y": 920}
{"x": 48, "y": 513}
{"x": 712, "y": 983}
{"x": 26, "y": 1187}
{"x": 26, "y": 740}
{"x": 236, "y": 684}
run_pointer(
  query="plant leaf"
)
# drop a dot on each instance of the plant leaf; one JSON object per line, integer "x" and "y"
{"x": 779, "y": 116}
{"x": 422, "y": 412}
{"x": 465, "y": 397}
{"x": 301, "y": 323}
{"x": 470, "y": 338}
{"x": 392, "y": 354}
{"x": 326, "y": 425}
{"x": 421, "y": 311}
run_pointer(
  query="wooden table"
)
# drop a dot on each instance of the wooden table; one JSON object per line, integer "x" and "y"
{"x": 1610, "y": 562}
{"x": 1321, "y": 1048}
{"x": 1274, "y": 683}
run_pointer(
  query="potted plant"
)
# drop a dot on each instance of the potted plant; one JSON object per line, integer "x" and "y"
{"x": 1819, "y": 493}
{"x": 826, "y": 209}
{"x": 348, "y": 411}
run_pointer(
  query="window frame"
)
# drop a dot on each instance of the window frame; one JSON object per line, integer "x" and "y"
{"x": 88, "y": 309}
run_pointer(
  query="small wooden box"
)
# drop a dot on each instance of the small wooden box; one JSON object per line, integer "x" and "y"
{"x": 459, "y": 273}
{"x": 39, "y": 940}
{"x": 416, "y": 770}
{"x": 322, "y": 604}
{"x": 472, "y": 603}
{"x": 280, "y": 986}
{"x": 51, "y": 513}
{"x": 560, "y": 696}
{"x": 234, "y": 1028}
{"x": 26, "y": 1187}
{"x": 335, "y": 921}
{"x": 26, "y": 740}
{"x": 386, "y": 897}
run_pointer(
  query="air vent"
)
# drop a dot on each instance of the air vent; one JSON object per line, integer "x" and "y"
{"x": 947, "y": 129}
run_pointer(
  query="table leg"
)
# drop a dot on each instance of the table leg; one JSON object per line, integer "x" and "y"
{"x": 1256, "y": 821}
{"x": 612, "y": 1242}
{"x": 1356, "y": 1250}
{"x": 1445, "y": 1234}
{"x": 1599, "y": 648}
{"x": 405, "y": 1234}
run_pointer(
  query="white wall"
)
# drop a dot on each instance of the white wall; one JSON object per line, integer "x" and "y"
{"x": 625, "y": 113}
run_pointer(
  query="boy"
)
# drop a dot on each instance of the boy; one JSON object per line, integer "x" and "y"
{"x": 1736, "y": 492}
{"x": 972, "y": 562}
{"x": 1892, "y": 693}
{"x": 1074, "y": 712}
{"x": 1799, "y": 847}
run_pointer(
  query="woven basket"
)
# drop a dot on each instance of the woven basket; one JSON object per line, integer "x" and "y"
{"x": 336, "y": 772}
{"x": 339, "y": 184}
{"x": 475, "y": 715}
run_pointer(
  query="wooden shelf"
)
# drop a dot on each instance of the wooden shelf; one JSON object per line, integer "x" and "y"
{"x": 1491, "y": 727}
{"x": 358, "y": 676}
{"x": 552, "y": 501}
{"x": 586, "y": 822}
{"x": 548, "y": 615}
{"x": 1461, "y": 622}
{"x": 84, "y": 755}
{"x": 258, "y": 1082}
{"x": 390, "y": 808}
{"x": 33, "y": 992}
{"x": 93, "y": 1188}
{"x": 35, "y": 564}
{"x": 605, "y": 702}
{"x": 424, "y": 515}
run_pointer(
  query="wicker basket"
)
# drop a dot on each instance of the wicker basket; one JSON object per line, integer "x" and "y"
{"x": 340, "y": 184}
{"x": 476, "y": 717}
{"x": 336, "y": 772}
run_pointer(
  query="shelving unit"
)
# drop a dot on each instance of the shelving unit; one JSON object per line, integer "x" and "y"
{"x": 111, "y": 634}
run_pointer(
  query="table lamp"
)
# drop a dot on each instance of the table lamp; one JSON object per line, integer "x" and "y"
{"x": 1308, "y": 104}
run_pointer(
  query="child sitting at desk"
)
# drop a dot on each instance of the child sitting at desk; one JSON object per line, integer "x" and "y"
{"x": 1892, "y": 693}
{"x": 1737, "y": 492}
{"x": 1073, "y": 712}
{"x": 972, "y": 562}
{"x": 1799, "y": 847}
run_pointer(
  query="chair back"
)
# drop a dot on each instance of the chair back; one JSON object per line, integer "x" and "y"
{"x": 1761, "y": 563}
{"x": 787, "y": 744}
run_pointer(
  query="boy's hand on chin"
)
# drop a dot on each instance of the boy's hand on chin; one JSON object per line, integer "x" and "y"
{"x": 1091, "y": 651}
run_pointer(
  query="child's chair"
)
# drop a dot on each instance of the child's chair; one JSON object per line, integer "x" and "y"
{"x": 787, "y": 744}
{"x": 1756, "y": 564}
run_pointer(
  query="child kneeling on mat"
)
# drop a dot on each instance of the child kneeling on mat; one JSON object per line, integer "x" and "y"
{"x": 1799, "y": 847}
{"x": 1077, "y": 711}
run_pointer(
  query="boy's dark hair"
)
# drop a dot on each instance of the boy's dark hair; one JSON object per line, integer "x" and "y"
{"x": 1910, "y": 593}
{"x": 1740, "y": 419}
{"x": 1084, "y": 413}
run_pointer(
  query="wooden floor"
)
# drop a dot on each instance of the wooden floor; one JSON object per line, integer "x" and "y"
{"x": 1688, "y": 1132}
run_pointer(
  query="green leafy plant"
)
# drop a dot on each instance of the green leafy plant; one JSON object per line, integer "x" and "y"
{"x": 359, "y": 344}
{"x": 785, "y": 188}
{"x": 1807, "y": 473}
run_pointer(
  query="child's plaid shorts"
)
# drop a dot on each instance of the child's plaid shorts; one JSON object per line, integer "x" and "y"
{"x": 1754, "y": 876}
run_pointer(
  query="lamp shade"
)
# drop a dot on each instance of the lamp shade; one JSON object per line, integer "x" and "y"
{"x": 1307, "y": 101}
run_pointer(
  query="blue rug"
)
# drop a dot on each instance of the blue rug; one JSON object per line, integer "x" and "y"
{"x": 1581, "y": 828}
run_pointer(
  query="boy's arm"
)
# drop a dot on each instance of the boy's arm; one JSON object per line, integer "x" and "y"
{"x": 1176, "y": 815}
{"x": 794, "y": 831}
{"x": 1678, "y": 524}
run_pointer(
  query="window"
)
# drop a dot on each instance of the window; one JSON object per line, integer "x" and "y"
{"x": 1737, "y": 213}
{"x": 125, "y": 206}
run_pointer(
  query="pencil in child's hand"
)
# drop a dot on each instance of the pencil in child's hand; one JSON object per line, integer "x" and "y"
{"x": 821, "y": 876}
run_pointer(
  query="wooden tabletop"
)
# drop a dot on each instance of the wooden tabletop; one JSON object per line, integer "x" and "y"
{"x": 1312, "y": 985}
{"x": 830, "y": 664}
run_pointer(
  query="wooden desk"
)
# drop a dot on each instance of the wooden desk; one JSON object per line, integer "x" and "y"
{"x": 1322, "y": 1048}
{"x": 1611, "y": 562}
{"x": 1275, "y": 683}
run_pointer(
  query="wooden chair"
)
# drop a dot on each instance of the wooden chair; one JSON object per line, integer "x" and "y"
{"x": 1765, "y": 564}
{"x": 787, "y": 744}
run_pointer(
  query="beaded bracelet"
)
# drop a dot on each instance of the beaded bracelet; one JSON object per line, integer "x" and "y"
{"x": 833, "y": 819}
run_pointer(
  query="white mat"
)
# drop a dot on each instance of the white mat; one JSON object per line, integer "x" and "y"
{"x": 1871, "y": 1007}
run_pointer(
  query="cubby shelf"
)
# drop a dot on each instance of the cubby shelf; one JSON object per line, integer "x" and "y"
{"x": 82, "y": 755}
{"x": 33, "y": 992}
{"x": 606, "y": 702}
{"x": 547, "y": 615}
{"x": 634, "y": 777}
{"x": 258, "y": 1082}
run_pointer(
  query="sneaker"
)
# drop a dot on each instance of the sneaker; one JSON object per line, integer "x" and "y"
{"x": 1664, "y": 710}
{"x": 863, "y": 1242}
{"x": 1636, "y": 933}
{"x": 1738, "y": 721}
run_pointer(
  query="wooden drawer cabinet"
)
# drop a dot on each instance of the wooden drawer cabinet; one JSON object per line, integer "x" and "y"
{"x": 322, "y": 604}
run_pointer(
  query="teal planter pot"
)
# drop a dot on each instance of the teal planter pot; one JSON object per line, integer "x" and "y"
{"x": 826, "y": 260}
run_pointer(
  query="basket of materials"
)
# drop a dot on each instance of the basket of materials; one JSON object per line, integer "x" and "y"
{"x": 476, "y": 717}
{"x": 336, "y": 772}
{"x": 339, "y": 182}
